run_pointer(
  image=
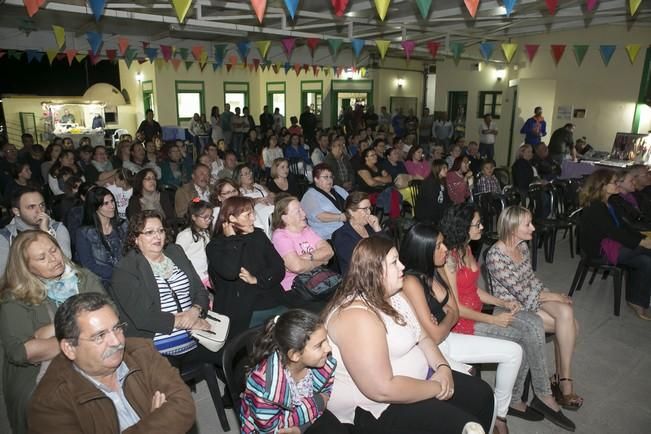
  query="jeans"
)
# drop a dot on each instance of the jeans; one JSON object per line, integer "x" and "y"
{"x": 480, "y": 349}
{"x": 487, "y": 150}
{"x": 528, "y": 331}
{"x": 639, "y": 261}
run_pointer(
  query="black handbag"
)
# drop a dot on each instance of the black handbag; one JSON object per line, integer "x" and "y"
{"x": 317, "y": 284}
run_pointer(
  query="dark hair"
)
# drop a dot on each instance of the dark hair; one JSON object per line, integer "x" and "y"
{"x": 417, "y": 254}
{"x": 412, "y": 151}
{"x": 50, "y": 148}
{"x": 138, "y": 180}
{"x": 137, "y": 224}
{"x": 96, "y": 148}
{"x": 455, "y": 225}
{"x": 65, "y": 318}
{"x": 70, "y": 183}
{"x": 194, "y": 209}
{"x": 320, "y": 168}
{"x": 437, "y": 166}
{"x": 238, "y": 169}
{"x": 233, "y": 206}
{"x": 57, "y": 167}
{"x": 352, "y": 202}
{"x": 20, "y": 192}
{"x": 149, "y": 111}
{"x": 94, "y": 199}
{"x": 287, "y": 332}
{"x": 485, "y": 162}
{"x": 16, "y": 169}
{"x": 456, "y": 166}
{"x": 86, "y": 148}
{"x": 214, "y": 197}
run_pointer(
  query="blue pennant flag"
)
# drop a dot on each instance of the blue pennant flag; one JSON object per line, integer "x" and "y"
{"x": 287, "y": 67}
{"x": 291, "y": 6}
{"x": 243, "y": 48}
{"x": 357, "y": 44}
{"x": 98, "y": 8}
{"x": 508, "y": 5}
{"x": 220, "y": 50}
{"x": 151, "y": 53}
{"x": 607, "y": 52}
{"x": 95, "y": 41}
{"x": 34, "y": 55}
{"x": 486, "y": 49}
{"x": 216, "y": 66}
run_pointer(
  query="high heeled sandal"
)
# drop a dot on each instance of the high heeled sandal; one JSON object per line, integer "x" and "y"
{"x": 571, "y": 401}
{"x": 496, "y": 430}
{"x": 556, "y": 387}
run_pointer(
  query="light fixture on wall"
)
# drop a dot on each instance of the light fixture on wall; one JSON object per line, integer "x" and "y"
{"x": 500, "y": 73}
{"x": 139, "y": 77}
{"x": 400, "y": 82}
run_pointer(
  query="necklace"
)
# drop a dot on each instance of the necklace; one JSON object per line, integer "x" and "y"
{"x": 163, "y": 268}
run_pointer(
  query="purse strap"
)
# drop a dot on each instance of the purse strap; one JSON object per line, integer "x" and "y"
{"x": 179, "y": 308}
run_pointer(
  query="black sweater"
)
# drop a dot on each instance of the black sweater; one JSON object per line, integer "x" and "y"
{"x": 597, "y": 224}
{"x": 233, "y": 296}
{"x": 432, "y": 201}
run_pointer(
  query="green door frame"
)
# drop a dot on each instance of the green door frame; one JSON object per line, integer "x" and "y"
{"x": 305, "y": 90}
{"x": 335, "y": 95}
{"x": 179, "y": 88}
{"x": 239, "y": 87}
{"x": 276, "y": 87}
{"x": 645, "y": 83}
{"x": 147, "y": 91}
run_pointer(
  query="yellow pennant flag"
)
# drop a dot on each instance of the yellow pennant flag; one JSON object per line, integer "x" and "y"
{"x": 382, "y": 46}
{"x": 80, "y": 57}
{"x": 159, "y": 62}
{"x": 633, "y": 5}
{"x": 263, "y": 47}
{"x": 632, "y": 50}
{"x": 204, "y": 57}
{"x": 181, "y": 7}
{"x": 382, "y": 6}
{"x": 509, "y": 50}
{"x": 59, "y": 35}
{"x": 51, "y": 54}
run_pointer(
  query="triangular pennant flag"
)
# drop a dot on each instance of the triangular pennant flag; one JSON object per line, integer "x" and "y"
{"x": 275, "y": 67}
{"x": 243, "y": 48}
{"x": 632, "y": 50}
{"x": 557, "y": 52}
{"x": 202, "y": 66}
{"x": 326, "y": 70}
{"x": 607, "y": 53}
{"x": 256, "y": 63}
{"x": 263, "y": 66}
{"x": 17, "y": 54}
{"x": 129, "y": 56}
{"x": 288, "y": 46}
{"x": 357, "y": 45}
{"x": 508, "y": 6}
{"x": 338, "y": 70}
{"x": 232, "y": 59}
{"x": 312, "y": 43}
{"x": 151, "y": 53}
{"x": 486, "y": 50}
{"x": 433, "y": 48}
{"x": 423, "y": 7}
{"x": 51, "y": 54}
{"x": 251, "y": 66}
{"x": 123, "y": 44}
{"x": 184, "y": 53}
{"x": 334, "y": 45}
{"x": 145, "y": 44}
{"x": 382, "y": 46}
{"x": 590, "y": 5}
{"x": 80, "y": 57}
{"x": 263, "y": 47}
{"x": 259, "y": 7}
{"x": 32, "y": 6}
{"x": 551, "y": 6}
{"x": 97, "y": 7}
{"x": 287, "y": 67}
{"x": 509, "y": 50}
{"x": 188, "y": 65}
{"x": 95, "y": 41}
{"x": 291, "y": 6}
{"x": 203, "y": 58}
{"x": 216, "y": 66}
{"x": 315, "y": 70}
{"x": 408, "y": 47}
{"x": 160, "y": 63}
{"x": 228, "y": 67}
{"x": 94, "y": 58}
{"x": 34, "y": 55}
{"x": 111, "y": 54}
{"x": 339, "y": 6}
{"x": 181, "y": 7}
{"x": 176, "y": 63}
{"x": 196, "y": 51}
{"x": 531, "y": 50}
{"x": 472, "y": 5}
{"x": 633, "y": 5}
{"x": 70, "y": 54}
{"x": 579, "y": 53}
{"x": 382, "y": 6}
{"x": 166, "y": 51}
{"x": 59, "y": 35}
{"x": 362, "y": 72}
{"x": 456, "y": 48}
{"x": 220, "y": 51}
{"x": 306, "y": 67}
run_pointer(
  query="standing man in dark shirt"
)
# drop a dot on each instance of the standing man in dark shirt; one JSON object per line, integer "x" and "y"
{"x": 371, "y": 118}
{"x": 561, "y": 143}
{"x": 266, "y": 120}
{"x": 308, "y": 122}
{"x": 149, "y": 127}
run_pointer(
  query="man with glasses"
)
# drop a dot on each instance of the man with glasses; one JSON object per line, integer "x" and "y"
{"x": 102, "y": 382}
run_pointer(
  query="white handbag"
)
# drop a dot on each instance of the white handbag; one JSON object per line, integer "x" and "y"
{"x": 215, "y": 338}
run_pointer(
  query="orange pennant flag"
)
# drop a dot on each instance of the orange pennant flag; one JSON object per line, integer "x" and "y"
{"x": 259, "y": 7}
{"x": 32, "y": 6}
{"x": 472, "y": 6}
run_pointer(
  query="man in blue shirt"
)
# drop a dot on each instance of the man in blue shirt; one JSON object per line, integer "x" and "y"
{"x": 534, "y": 128}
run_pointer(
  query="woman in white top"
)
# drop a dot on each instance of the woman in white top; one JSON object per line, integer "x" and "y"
{"x": 216, "y": 132}
{"x": 195, "y": 237}
{"x": 271, "y": 152}
{"x": 387, "y": 365}
{"x": 263, "y": 199}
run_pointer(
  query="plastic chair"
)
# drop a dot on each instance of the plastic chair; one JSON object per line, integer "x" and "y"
{"x": 414, "y": 189}
{"x": 490, "y": 206}
{"x": 196, "y": 373}
{"x": 503, "y": 176}
{"x": 116, "y": 135}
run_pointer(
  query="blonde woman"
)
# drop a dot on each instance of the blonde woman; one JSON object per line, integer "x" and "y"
{"x": 38, "y": 278}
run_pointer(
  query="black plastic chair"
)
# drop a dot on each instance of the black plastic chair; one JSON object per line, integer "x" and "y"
{"x": 198, "y": 372}
{"x": 503, "y": 176}
{"x": 235, "y": 360}
{"x": 490, "y": 205}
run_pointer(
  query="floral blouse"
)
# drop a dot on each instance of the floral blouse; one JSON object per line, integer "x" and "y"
{"x": 512, "y": 280}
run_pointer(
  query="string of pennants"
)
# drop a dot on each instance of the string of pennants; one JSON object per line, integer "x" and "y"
{"x": 181, "y": 7}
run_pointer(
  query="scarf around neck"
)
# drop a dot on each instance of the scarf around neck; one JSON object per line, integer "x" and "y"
{"x": 61, "y": 289}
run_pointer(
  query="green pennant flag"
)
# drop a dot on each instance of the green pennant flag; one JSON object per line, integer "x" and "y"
{"x": 129, "y": 56}
{"x": 423, "y": 7}
{"x": 579, "y": 53}
{"x": 15, "y": 54}
{"x": 188, "y": 65}
{"x": 334, "y": 45}
{"x": 456, "y": 48}
{"x": 184, "y": 53}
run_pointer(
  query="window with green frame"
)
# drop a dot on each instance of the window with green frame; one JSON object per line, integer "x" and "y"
{"x": 276, "y": 97}
{"x": 490, "y": 102}
{"x": 236, "y": 94}
{"x": 190, "y": 99}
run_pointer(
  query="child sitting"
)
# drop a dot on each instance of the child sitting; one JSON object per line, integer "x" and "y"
{"x": 291, "y": 378}
{"x": 487, "y": 181}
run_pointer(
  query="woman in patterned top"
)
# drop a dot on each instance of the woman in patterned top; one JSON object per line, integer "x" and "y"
{"x": 513, "y": 279}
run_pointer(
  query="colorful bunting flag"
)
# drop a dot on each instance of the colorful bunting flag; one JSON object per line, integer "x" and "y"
{"x": 357, "y": 45}
{"x": 382, "y": 6}
{"x": 315, "y": 70}
{"x": 95, "y": 41}
{"x": 509, "y": 50}
{"x": 97, "y": 6}
{"x": 203, "y": 58}
{"x": 216, "y": 66}
{"x": 263, "y": 47}
{"x": 433, "y": 48}
{"x": 590, "y": 5}
{"x": 287, "y": 67}
{"x": 32, "y": 6}
{"x": 339, "y": 6}
{"x": 312, "y": 43}
{"x": 472, "y": 5}
{"x": 326, "y": 70}
{"x": 382, "y": 46}
{"x": 196, "y": 51}
{"x": 166, "y": 51}
{"x": 557, "y": 52}
{"x": 486, "y": 50}
{"x": 17, "y": 54}
{"x": 34, "y": 55}
{"x": 256, "y": 63}
{"x": 59, "y": 35}
{"x": 80, "y": 57}
{"x": 579, "y": 53}
{"x": 259, "y": 7}
{"x": 160, "y": 63}
{"x": 551, "y": 6}
{"x": 181, "y": 7}
{"x": 129, "y": 56}
{"x": 633, "y": 5}
{"x": 70, "y": 54}
{"x": 607, "y": 52}
{"x": 632, "y": 50}
{"x": 229, "y": 66}
{"x": 288, "y": 46}
{"x": 275, "y": 67}
{"x": 151, "y": 53}
{"x": 123, "y": 44}
{"x": 176, "y": 63}
{"x": 291, "y": 6}
{"x": 51, "y": 54}
{"x": 243, "y": 48}
{"x": 183, "y": 51}
{"x": 220, "y": 52}
{"x": 508, "y": 5}
{"x": 408, "y": 46}
{"x": 297, "y": 68}
{"x": 188, "y": 64}
{"x": 456, "y": 48}
{"x": 531, "y": 50}
{"x": 423, "y": 7}
{"x": 362, "y": 72}
{"x": 306, "y": 67}
{"x": 232, "y": 59}
{"x": 334, "y": 45}
{"x": 111, "y": 54}
{"x": 94, "y": 58}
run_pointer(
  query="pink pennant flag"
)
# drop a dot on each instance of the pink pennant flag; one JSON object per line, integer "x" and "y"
{"x": 232, "y": 59}
{"x": 70, "y": 54}
{"x": 229, "y": 66}
{"x": 551, "y": 6}
{"x": 32, "y": 6}
{"x": 258, "y": 7}
{"x": 315, "y": 70}
{"x": 306, "y": 67}
{"x": 256, "y": 63}
{"x": 472, "y": 5}
{"x": 251, "y": 67}
{"x": 590, "y": 5}
{"x": 433, "y": 48}
{"x": 339, "y": 6}
{"x": 166, "y": 51}
{"x": 297, "y": 68}
{"x": 288, "y": 46}
{"x": 94, "y": 58}
{"x": 176, "y": 63}
{"x": 531, "y": 50}
{"x": 111, "y": 54}
{"x": 123, "y": 44}
{"x": 408, "y": 46}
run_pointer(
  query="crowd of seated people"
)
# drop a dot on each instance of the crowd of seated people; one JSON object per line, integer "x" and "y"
{"x": 169, "y": 231}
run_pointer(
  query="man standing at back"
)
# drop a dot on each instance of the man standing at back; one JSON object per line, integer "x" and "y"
{"x": 534, "y": 128}
{"x": 308, "y": 122}
{"x": 102, "y": 382}
{"x": 487, "y": 133}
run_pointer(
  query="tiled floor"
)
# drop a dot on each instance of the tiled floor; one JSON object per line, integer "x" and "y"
{"x": 612, "y": 368}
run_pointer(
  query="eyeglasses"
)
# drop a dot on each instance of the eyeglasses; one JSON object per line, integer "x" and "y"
{"x": 326, "y": 177}
{"x": 99, "y": 338}
{"x": 365, "y": 209}
{"x": 150, "y": 233}
{"x": 205, "y": 217}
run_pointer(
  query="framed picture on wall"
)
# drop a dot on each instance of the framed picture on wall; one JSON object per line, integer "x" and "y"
{"x": 564, "y": 112}
{"x": 406, "y": 103}
{"x": 579, "y": 113}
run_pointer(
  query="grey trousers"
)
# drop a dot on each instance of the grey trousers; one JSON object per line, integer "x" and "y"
{"x": 528, "y": 331}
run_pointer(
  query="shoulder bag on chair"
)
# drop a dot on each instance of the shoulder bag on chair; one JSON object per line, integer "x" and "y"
{"x": 317, "y": 284}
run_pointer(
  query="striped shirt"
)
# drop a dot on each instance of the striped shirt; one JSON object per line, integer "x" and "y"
{"x": 179, "y": 341}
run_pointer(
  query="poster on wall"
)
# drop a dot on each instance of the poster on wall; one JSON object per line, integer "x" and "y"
{"x": 579, "y": 113}
{"x": 564, "y": 112}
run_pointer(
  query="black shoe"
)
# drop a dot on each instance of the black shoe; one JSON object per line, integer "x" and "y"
{"x": 555, "y": 417}
{"x": 528, "y": 414}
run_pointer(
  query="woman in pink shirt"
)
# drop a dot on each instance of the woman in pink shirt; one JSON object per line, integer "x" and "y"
{"x": 416, "y": 164}
{"x": 459, "y": 180}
